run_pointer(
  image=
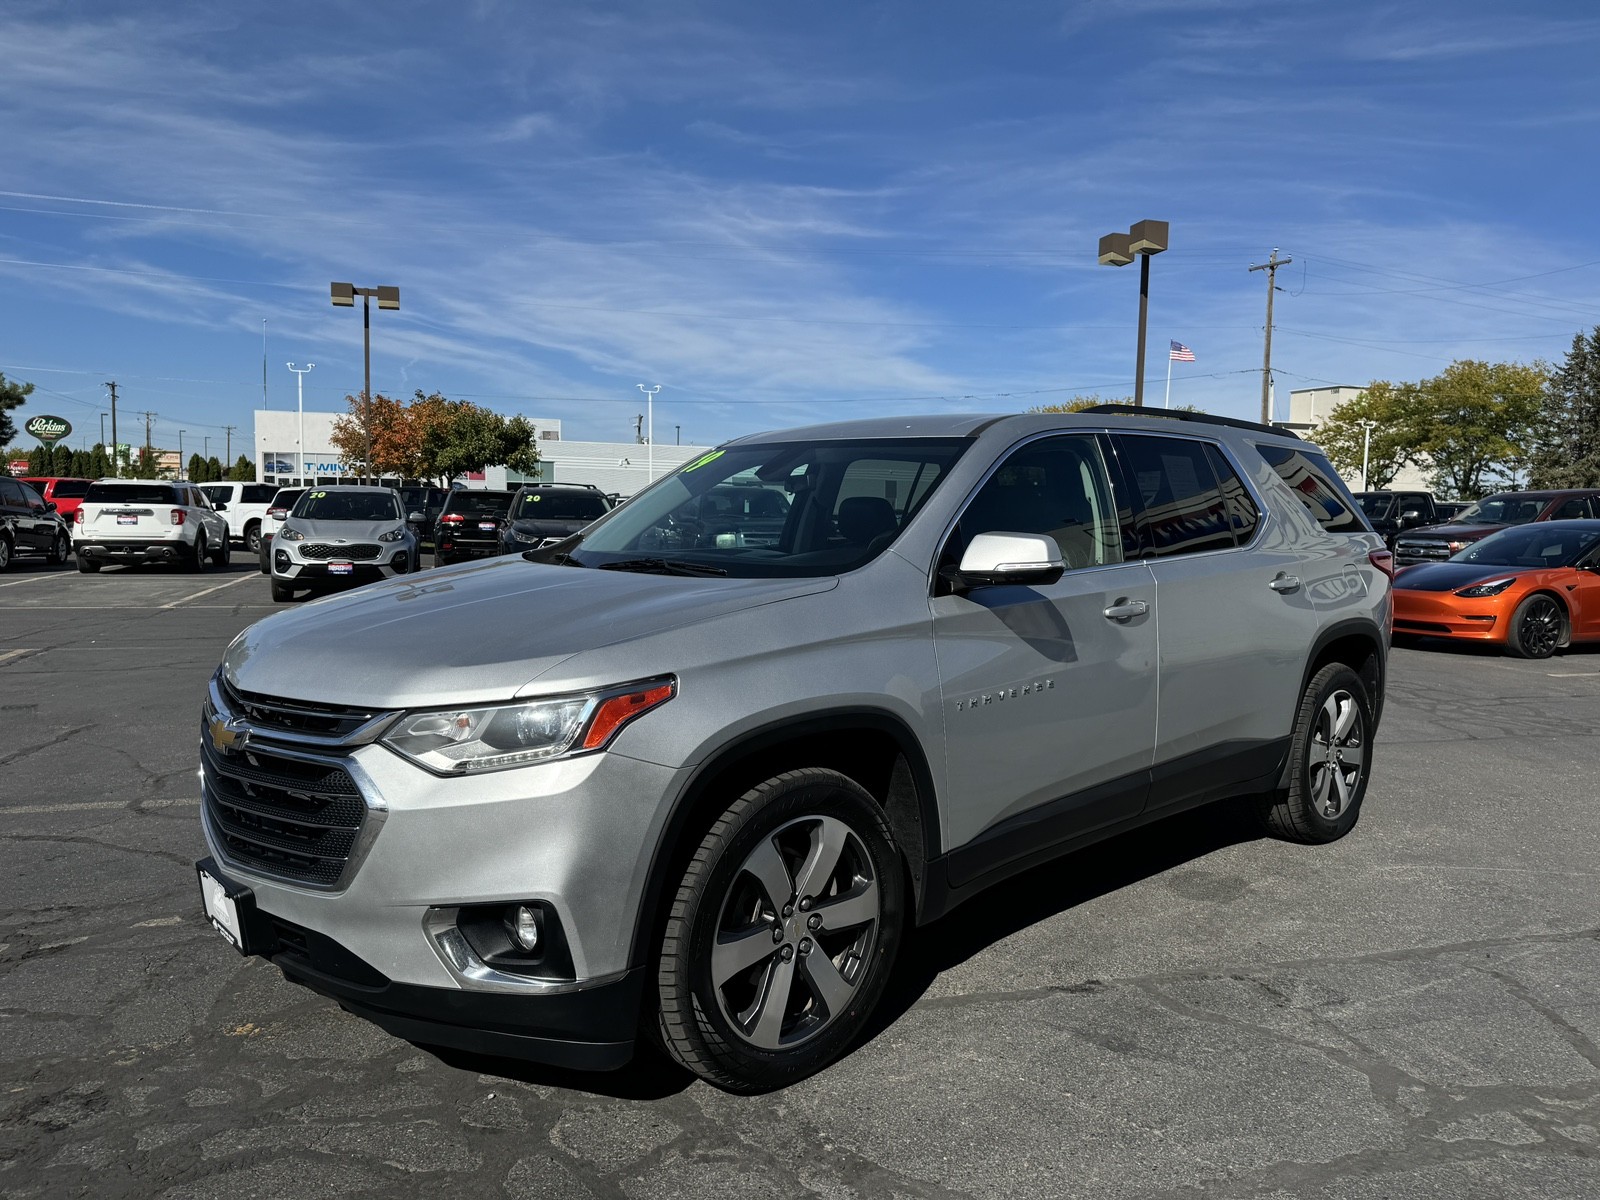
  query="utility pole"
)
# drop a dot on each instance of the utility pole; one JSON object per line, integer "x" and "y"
{"x": 638, "y": 428}
{"x": 116, "y": 468}
{"x": 1271, "y": 268}
{"x": 149, "y": 450}
{"x": 228, "y": 453}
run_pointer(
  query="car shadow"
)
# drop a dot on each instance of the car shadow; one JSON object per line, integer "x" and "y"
{"x": 1045, "y": 891}
{"x": 1471, "y": 649}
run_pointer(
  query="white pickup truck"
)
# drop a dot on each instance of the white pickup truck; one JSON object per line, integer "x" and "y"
{"x": 247, "y": 508}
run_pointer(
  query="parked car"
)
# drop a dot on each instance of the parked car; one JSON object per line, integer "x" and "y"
{"x": 247, "y": 509}
{"x": 64, "y": 492}
{"x": 277, "y": 510}
{"x": 347, "y": 533}
{"x": 1530, "y": 588}
{"x": 469, "y": 525}
{"x": 533, "y": 805}
{"x": 1449, "y": 510}
{"x": 29, "y": 524}
{"x": 425, "y": 503}
{"x": 148, "y": 520}
{"x": 1490, "y": 515}
{"x": 546, "y": 512}
{"x": 1392, "y": 513}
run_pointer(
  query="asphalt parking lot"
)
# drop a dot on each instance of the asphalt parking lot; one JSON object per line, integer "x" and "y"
{"x": 1192, "y": 1012}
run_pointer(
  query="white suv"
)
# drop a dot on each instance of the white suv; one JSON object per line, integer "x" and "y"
{"x": 148, "y": 520}
{"x": 247, "y": 505}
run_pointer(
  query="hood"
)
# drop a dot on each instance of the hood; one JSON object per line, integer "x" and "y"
{"x": 342, "y": 532}
{"x": 1451, "y": 533}
{"x": 1449, "y": 576}
{"x": 479, "y": 631}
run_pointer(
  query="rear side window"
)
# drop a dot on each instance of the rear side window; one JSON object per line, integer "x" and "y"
{"x": 69, "y": 489}
{"x": 1318, "y": 485}
{"x": 129, "y": 493}
{"x": 258, "y": 493}
{"x": 1576, "y": 508}
{"x": 1180, "y": 504}
{"x": 1243, "y": 515}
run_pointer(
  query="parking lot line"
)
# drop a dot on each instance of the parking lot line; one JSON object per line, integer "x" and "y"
{"x": 207, "y": 591}
{"x": 23, "y": 810}
{"x": 8, "y": 655}
{"x": 30, "y": 579}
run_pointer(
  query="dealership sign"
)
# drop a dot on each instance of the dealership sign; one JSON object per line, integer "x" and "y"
{"x": 47, "y": 429}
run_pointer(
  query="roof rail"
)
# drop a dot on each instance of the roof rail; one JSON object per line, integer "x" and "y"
{"x": 530, "y": 483}
{"x": 1181, "y": 414}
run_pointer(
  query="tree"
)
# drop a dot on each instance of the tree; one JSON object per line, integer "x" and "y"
{"x": 213, "y": 469}
{"x": 12, "y": 395}
{"x": 1566, "y": 449}
{"x": 243, "y": 470}
{"x": 144, "y": 465}
{"x": 1395, "y": 435}
{"x": 1476, "y": 424}
{"x": 376, "y": 435}
{"x": 196, "y": 469}
{"x": 1077, "y": 404}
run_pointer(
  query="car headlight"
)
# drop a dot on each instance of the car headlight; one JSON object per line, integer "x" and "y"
{"x": 290, "y": 534}
{"x": 1490, "y": 587}
{"x": 513, "y": 535}
{"x": 460, "y": 741}
{"x": 394, "y": 535}
{"x": 1456, "y": 547}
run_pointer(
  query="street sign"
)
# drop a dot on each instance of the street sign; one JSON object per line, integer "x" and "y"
{"x": 47, "y": 429}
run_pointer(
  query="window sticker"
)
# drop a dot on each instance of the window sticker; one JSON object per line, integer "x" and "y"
{"x": 702, "y": 461}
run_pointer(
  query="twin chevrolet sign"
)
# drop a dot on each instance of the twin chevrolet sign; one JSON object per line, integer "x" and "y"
{"x": 47, "y": 429}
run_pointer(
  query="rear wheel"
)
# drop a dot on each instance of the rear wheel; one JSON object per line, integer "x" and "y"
{"x": 1537, "y": 628}
{"x": 1328, "y": 761}
{"x": 59, "y": 549}
{"x": 782, "y": 933}
{"x": 197, "y": 555}
{"x": 281, "y": 591}
{"x": 220, "y": 557}
{"x": 88, "y": 566}
{"x": 5, "y": 554}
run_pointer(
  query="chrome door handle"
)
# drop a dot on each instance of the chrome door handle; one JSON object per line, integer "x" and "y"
{"x": 1285, "y": 583}
{"x": 1124, "y": 610}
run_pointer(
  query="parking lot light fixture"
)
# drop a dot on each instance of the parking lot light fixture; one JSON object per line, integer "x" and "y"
{"x": 300, "y": 388}
{"x": 1120, "y": 249}
{"x": 344, "y": 295}
{"x": 1366, "y": 447}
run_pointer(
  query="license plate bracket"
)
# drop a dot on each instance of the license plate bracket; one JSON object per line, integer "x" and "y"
{"x": 127, "y": 519}
{"x": 228, "y": 905}
{"x": 341, "y": 568}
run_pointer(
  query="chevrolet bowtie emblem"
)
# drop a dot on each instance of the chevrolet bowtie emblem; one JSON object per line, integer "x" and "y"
{"x": 226, "y": 736}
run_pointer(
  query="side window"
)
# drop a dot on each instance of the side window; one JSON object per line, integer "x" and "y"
{"x": 1314, "y": 480}
{"x": 1181, "y": 510}
{"x": 257, "y": 493}
{"x": 1243, "y": 515}
{"x": 1059, "y": 487}
{"x": 30, "y": 498}
{"x": 1573, "y": 509}
{"x": 10, "y": 492}
{"x": 215, "y": 492}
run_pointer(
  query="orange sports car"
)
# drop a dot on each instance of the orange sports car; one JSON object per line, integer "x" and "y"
{"x": 1532, "y": 588}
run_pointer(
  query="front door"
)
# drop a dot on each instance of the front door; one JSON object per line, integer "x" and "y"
{"x": 1049, "y": 703}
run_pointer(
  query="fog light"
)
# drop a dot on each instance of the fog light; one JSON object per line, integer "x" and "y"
{"x": 525, "y": 927}
{"x": 280, "y": 559}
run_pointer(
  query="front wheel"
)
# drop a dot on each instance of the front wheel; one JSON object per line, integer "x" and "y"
{"x": 782, "y": 933}
{"x": 252, "y": 537}
{"x": 5, "y": 554}
{"x": 1537, "y": 628}
{"x": 1329, "y": 757}
{"x": 281, "y": 592}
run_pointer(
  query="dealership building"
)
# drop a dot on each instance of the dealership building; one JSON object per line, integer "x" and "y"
{"x": 617, "y": 467}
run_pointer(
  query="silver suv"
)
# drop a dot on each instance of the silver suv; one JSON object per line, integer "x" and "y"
{"x": 659, "y": 777}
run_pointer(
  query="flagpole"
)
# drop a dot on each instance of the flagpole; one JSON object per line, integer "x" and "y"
{"x": 1167, "y": 402}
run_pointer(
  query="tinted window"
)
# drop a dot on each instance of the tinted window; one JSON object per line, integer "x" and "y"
{"x": 218, "y": 492}
{"x": 553, "y": 505}
{"x": 479, "y": 504}
{"x": 258, "y": 493}
{"x": 1243, "y": 515}
{"x": 1375, "y": 504}
{"x": 1057, "y": 487}
{"x": 285, "y": 497}
{"x": 1318, "y": 485}
{"x": 68, "y": 489}
{"x": 1572, "y": 509}
{"x": 1181, "y": 510}
{"x": 130, "y": 493}
{"x": 1532, "y": 545}
{"x": 1506, "y": 508}
{"x": 347, "y": 506}
{"x": 10, "y": 491}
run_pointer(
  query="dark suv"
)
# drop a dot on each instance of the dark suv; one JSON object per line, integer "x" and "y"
{"x": 548, "y": 512}
{"x": 469, "y": 525}
{"x": 29, "y": 524}
{"x": 426, "y": 502}
{"x": 1438, "y": 542}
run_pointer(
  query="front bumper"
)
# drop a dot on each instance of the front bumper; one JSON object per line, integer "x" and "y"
{"x": 1425, "y": 614}
{"x": 133, "y": 550}
{"x": 288, "y": 565}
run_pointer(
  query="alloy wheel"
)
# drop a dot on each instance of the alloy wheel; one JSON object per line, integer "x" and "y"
{"x": 1539, "y": 631}
{"x": 795, "y": 933}
{"x": 1336, "y": 754}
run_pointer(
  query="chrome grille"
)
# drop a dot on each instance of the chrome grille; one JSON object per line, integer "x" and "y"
{"x": 289, "y": 817}
{"x": 323, "y": 552}
{"x": 271, "y": 712}
{"x": 1422, "y": 550}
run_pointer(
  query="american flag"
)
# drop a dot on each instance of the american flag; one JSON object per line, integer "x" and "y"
{"x": 1180, "y": 353}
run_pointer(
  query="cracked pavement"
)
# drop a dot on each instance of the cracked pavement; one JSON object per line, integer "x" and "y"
{"x": 1188, "y": 1012}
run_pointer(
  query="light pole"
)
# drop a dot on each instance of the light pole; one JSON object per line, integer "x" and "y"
{"x": 181, "y": 472}
{"x": 650, "y": 430}
{"x": 300, "y": 374}
{"x": 344, "y": 296}
{"x": 102, "y": 431}
{"x": 1366, "y": 448}
{"x": 1120, "y": 249}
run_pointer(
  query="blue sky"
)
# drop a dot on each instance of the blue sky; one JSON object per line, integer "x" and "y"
{"x": 781, "y": 214}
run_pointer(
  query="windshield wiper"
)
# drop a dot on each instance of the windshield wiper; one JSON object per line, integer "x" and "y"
{"x": 661, "y": 566}
{"x": 561, "y": 560}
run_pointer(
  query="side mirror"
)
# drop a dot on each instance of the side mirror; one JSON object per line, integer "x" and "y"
{"x": 49, "y": 506}
{"x": 277, "y": 514}
{"x": 416, "y": 518}
{"x": 993, "y": 559}
{"x": 219, "y": 506}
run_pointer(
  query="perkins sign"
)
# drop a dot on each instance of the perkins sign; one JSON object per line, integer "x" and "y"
{"x": 47, "y": 429}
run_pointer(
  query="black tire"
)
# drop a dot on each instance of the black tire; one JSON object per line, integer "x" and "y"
{"x": 197, "y": 554}
{"x": 1538, "y": 627}
{"x": 726, "y": 1030}
{"x": 252, "y": 537}
{"x": 439, "y": 560}
{"x": 1326, "y": 778}
{"x": 88, "y": 566}
{"x": 281, "y": 592}
{"x": 59, "y": 549}
{"x": 5, "y": 555}
{"x": 221, "y": 554}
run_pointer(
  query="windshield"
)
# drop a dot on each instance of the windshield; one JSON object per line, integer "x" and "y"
{"x": 1534, "y": 545}
{"x": 1375, "y": 504}
{"x": 126, "y": 493}
{"x": 551, "y": 505}
{"x": 794, "y": 509}
{"x": 478, "y": 504}
{"x": 1506, "y": 509}
{"x": 347, "y": 506}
